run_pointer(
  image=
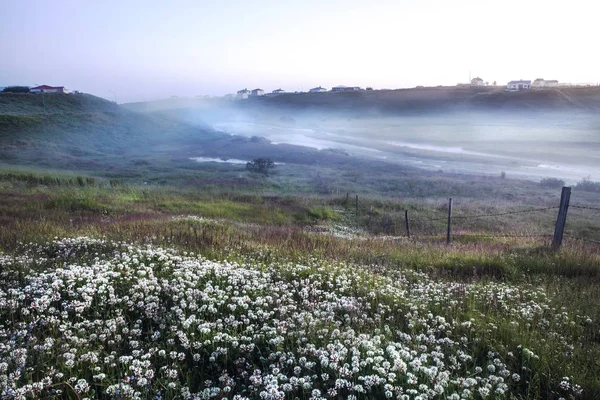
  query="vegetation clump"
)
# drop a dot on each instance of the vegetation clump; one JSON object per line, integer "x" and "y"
{"x": 552, "y": 183}
{"x": 586, "y": 184}
{"x": 16, "y": 89}
{"x": 260, "y": 165}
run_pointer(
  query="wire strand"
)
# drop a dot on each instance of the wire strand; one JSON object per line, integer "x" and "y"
{"x": 584, "y": 207}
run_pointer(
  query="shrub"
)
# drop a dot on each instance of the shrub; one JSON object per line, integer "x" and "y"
{"x": 552, "y": 183}
{"x": 16, "y": 89}
{"x": 586, "y": 184}
{"x": 260, "y": 165}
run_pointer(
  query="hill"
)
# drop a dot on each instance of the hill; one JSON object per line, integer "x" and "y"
{"x": 435, "y": 99}
{"x": 83, "y": 132}
{"x": 90, "y": 135}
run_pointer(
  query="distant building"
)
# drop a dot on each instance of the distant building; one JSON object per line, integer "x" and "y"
{"x": 342, "y": 88}
{"x": 542, "y": 83}
{"x": 317, "y": 90}
{"x": 278, "y": 91}
{"x": 48, "y": 89}
{"x": 516, "y": 86}
{"x": 258, "y": 92}
{"x": 477, "y": 82}
{"x": 243, "y": 94}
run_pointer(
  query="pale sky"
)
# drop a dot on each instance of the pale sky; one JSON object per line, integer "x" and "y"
{"x": 152, "y": 49}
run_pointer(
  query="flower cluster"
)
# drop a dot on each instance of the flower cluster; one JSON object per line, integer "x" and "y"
{"x": 124, "y": 321}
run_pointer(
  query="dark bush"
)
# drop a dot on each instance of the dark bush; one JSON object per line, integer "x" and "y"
{"x": 587, "y": 185}
{"x": 260, "y": 165}
{"x": 16, "y": 89}
{"x": 552, "y": 183}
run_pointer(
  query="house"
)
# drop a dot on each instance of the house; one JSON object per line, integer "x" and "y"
{"x": 342, "y": 88}
{"x": 48, "y": 89}
{"x": 477, "y": 82}
{"x": 278, "y": 91}
{"x": 317, "y": 90}
{"x": 542, "y": 83}
{"x": 243, "y": 94}
{"x": 258, "y": 92}
{"x": 515, "y": 86}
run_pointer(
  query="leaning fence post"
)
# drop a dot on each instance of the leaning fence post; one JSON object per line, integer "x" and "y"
{"x": 406, "y": 223}
{"x": 561, "y": 220}
{"x": 449, "y": 221}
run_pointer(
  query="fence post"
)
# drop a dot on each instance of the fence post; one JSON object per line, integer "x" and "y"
{"x": 561, "y": 220}
{"x": 357, "y": 203}
{"x": 387, "y": 225}
{"x": 406, "y": 223}
{"x": 449, "y": 221}
{"x": 347, "y": 199}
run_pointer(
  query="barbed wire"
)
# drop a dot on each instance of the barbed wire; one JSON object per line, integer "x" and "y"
{"x": 501, "y": 235}
{"x": 504, "y": 213}
{"x": 582, "y": 239}
{"x": 489, "y": 215}
{"x": 584, "y": 207}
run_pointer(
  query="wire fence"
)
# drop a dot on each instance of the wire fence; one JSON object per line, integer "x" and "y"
{"x": 420, "y": 227}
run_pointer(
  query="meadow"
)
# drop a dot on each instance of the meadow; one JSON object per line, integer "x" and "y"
{"x": 128, "y": 271}
{"x": 118, "y": 291}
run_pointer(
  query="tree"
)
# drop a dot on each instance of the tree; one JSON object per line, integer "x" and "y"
{"x": 16, "y": 89}
{"x": 260, "y": 165}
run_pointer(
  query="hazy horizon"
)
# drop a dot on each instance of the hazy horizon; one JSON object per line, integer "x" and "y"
{"x": 150, "y": 50}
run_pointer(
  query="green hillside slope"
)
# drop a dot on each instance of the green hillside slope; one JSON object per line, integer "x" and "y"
{"x": 84, "y": 132}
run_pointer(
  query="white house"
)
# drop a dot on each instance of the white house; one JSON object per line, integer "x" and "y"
{"x": 542, "y": 83}
{"x": 317, "y": 90}
{"x": 342, "y": 88}
{"x": 258, "y": 92}
{"x": 515, "y": 86}
{"x": 243, "y": 94}
{"x": 48, "y": 89}
{"x": 477, "y": 82}
{"x": 278, "y": 91}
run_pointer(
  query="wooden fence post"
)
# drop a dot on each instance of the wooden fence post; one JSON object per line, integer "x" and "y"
{"x": 406, "y": 223}
{"x": 448, "y": 233}
{"x": 561, "y": 220}
{"x": 347, "y": 199}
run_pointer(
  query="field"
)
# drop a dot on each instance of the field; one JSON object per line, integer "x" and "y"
{"x": 139, "y": 274}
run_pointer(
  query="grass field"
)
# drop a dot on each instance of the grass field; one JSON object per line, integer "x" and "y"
{"x": 150, "y": 277}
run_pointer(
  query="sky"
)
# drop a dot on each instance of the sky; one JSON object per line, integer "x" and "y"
{"x": 152, "y": 49}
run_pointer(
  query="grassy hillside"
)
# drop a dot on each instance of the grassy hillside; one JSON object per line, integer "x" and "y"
{"x": 56, "y": 103}
{"x": 442, "y": 99}
{"x": 86, "y": 133}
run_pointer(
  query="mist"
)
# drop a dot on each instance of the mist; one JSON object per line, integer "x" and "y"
{"x": 520, "y": 145}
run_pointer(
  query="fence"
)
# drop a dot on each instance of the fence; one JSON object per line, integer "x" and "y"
{"x": 413, "y": 232}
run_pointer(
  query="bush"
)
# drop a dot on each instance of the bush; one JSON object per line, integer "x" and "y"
{"x": 16, "y": 89}
{"x": 552, "y": 183}
{"x": 587, "y": 185}
{"x": 260, "y": 165}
